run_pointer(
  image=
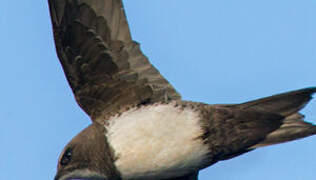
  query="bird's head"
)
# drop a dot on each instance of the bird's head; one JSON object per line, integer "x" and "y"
{"x": 87, "y": 157}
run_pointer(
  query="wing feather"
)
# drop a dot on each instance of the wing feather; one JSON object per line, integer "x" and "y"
{"x": 105, "y": 68}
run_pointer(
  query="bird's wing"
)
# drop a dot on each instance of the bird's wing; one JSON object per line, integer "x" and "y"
{"x": 105, "y": 68}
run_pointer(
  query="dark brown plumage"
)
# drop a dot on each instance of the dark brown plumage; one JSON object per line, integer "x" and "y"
{"x": 235, "y": 129}
{"x": 104, "y": 66}
{"x": 84, "y": 155}
{"x": 110, "y": 76}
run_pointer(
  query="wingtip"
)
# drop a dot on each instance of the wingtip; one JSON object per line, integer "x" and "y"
{"x": 308, "y": 89}
{"x": 311, "y": 90}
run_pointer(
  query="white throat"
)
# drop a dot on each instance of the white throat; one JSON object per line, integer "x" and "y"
{"x": 160, "y": 140}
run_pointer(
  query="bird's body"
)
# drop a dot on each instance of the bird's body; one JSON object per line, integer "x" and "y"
{"x": 141, "y": 128}
{"x": 159, "y": 140}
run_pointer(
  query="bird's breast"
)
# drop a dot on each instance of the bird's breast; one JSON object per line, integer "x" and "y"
{"x": 160, "y": 140}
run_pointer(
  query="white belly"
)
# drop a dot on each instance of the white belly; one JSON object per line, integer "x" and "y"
{"x": 156, "y": 141}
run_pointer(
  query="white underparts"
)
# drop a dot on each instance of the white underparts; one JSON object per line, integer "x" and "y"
{"x": 157, "y": 141}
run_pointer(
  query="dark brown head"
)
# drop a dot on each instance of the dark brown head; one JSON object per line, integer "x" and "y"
{"x": 87, "y": 157}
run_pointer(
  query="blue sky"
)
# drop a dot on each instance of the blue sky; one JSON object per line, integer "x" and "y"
{"x": 211, "y": 51}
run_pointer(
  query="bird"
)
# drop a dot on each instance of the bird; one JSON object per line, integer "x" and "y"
{"x": 141, "y": 128}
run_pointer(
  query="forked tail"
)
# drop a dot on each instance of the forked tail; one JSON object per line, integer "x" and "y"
{"x": 286, "y": 104}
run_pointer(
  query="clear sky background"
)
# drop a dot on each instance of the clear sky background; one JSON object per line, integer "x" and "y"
{"x": 222, "y": 51}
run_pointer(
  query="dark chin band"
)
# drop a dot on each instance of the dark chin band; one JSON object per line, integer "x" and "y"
{"x": 82, "y": 178}
{"x": 86, "y": 179}
{"x": 64, "y": 175}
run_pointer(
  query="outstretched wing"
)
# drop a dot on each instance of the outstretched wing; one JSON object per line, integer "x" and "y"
{"x": 105, "y": 68}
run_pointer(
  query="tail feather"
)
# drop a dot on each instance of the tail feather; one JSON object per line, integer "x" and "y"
{"x": 286, "y": 104}
{"x": 293, "y": 127}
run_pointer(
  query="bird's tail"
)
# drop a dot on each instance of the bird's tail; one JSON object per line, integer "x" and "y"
{"x": 286, "y": 104}
{"x": 294, "y": 127}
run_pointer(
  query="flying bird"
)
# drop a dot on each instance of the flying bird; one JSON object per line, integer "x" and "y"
{"x": 141, "y": 129}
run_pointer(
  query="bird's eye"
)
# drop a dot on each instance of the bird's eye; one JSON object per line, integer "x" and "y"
{"x": 66, "y": 158}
